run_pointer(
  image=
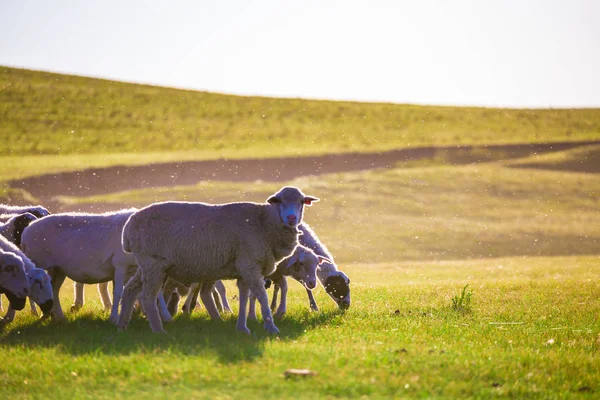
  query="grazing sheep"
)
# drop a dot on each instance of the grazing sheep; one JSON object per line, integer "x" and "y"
{"x": 13, "y": 227}
{"x": 14, "y": 282}
{"x": 199, "y": 242}
{"x": 38, "y": 211}
{"x": 84, "y": 247}
{"x": 40, "y": 290}
{"x": 302, "y": 265}
{"x": 335, "y": 282}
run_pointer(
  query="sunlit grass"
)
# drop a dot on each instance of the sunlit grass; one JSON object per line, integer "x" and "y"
{"x": 44, "y": 113}
{"x": 532, "y": 332}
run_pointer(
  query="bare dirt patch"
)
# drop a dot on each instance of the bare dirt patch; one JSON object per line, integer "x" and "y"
{"x": 97, "y": 181}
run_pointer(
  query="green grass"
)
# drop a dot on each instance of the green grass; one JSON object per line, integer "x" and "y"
{"x": 532, "y": 332}
{"x": 45, "y": 113}
{"x": 521, "y": 233}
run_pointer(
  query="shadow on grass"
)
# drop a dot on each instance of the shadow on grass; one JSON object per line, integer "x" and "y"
{"x": 89, "y": 333}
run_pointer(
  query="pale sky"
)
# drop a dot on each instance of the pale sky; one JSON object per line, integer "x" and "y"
{"x": 534, "y": 53}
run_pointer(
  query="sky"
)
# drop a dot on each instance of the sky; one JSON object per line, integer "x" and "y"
{"x": 535, "y": 53}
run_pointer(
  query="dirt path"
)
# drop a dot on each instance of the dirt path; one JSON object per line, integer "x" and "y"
{"x": 97, "y": 181}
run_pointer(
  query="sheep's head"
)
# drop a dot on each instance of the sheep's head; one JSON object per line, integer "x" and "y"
{"x": 12, "y": 275}
{"x": 19, "y": 223}
{"x": 290, "y": 202}
{"x": 41, "y": 289}
{"x": 303, "y": 264}
{"x": 337, "y": 286}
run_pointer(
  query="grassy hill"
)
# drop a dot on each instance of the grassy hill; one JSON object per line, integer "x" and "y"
{"x": 45, "y": 113}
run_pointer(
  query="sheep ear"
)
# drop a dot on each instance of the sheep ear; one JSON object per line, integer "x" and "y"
{"x": 273, "y": 200}
{"x": 292, "y": 260}
{"x": 309, "y": 199}
{"x": 324, "y": 260}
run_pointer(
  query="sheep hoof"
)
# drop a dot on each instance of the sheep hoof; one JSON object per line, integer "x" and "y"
{"x": 75, "y": 307}
{"x": 243, "y": 329}
{"x": 279, "y": 315}
{"x": 272, "y": 329}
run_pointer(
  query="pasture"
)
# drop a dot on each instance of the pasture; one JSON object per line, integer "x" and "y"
{"x": 521, "y": 230}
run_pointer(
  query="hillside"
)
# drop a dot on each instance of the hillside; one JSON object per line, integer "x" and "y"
{"x": 45, "y": 113}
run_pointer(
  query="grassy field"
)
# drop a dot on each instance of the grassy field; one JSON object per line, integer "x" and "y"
{"x": 531, "y": 331}
{"x": 522, "y": 233}
{"x": 52, "y": 114}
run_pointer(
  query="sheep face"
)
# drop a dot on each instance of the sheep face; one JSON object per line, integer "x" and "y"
{"x": 303, "y": 264}
{"x": 290, "y": 202}
{"x": 40, "y": 288}
{"x": 12, "y": 275}
{"x": 19, "y": 223}
{"x": 337, "y": 287}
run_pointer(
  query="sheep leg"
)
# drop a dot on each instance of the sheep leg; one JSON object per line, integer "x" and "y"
{"x": 244, "y": 294}
{"x": 118, "y": 282}
{"x": 220, "y": 287}
{"x": 79, "y": 296}
{"x": 217, "y": 300}
{"x": 256, "y": 284}
{"x": 34, "y": 310}
{"x": 130, "y": 294}
{"x": 162, "y": 308}
{"x": 281, "y": 310}
{"x": 105, "y": 297}
{"x": 208, "y": 300}
{"x": 10, "y": 315}
{"x": 275, "y": 293}
{"x": 311, "y": 300}
{"x": 190, "y": 302}
{"x": 57, "y": 279}
{"x": 173, "y": 303}
{"x": 252, "y": 308}
{"x": 152, "y": 282}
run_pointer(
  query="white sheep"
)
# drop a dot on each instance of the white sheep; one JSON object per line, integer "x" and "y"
{"x": 335, "y": 282}
{"x": 199, "y": 242}
{"x": 302, "y": 265}
{"x": 85, "y": 247}
{"x": 14, "y": 282}
{"x": 40, "y": 290}
{"x": 11, "y": 227}
{"x": 38, "y": 211}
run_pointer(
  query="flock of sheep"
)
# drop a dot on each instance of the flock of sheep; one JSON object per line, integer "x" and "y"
{"x": 166, "y": 250}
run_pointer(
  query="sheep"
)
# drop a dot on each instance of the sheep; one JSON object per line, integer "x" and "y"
{"x": 335, "y": 282}
{"x": 40, "y": 290}
{"x": 38, "y": 211}
{"x": 14, "y": 282}
{"x": 85, "y": 247}
{"x": 199, "y": 242}
{"x": 302, "y": 265}
{"x": 13, "y": 225}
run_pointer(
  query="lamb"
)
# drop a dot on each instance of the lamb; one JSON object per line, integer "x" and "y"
{"x": 13, "y": 225}
{"x": 302, "y": 265}
{"x": 38, "y": 211}
{"x": 199, "y": 242}
{"x": 84, "y": 247}
{"x": 14, "y": 282}
{"x": 40, "y": 290}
